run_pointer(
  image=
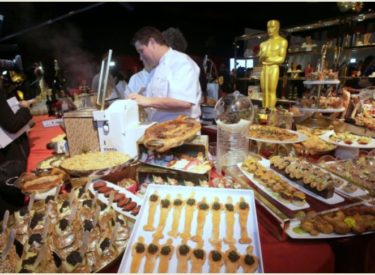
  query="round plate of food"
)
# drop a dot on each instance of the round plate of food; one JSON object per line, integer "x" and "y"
{"x": 347, "y": 139}
{"x": 273, "y": 134}
{"x": 85, "y": 164}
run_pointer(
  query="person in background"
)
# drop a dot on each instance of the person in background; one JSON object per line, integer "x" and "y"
{"x": 138, "y": 81}
{"x": 174, "y": 88}
{"x": 13, "y": 157}
{"x": 177, "y": 41}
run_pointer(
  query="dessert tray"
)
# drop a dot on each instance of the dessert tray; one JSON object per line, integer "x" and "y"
{"x": 348, "y": 140}
{"x": 71, "y": 233}
{"x": 163, "y": 241}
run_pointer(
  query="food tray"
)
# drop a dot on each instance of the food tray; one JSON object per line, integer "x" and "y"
{"x": 301, "y": 137}
{"x": 294, "y": 233}
{"x": 122, "y": 190}
{"x": 321, "y": 110}
{"x": 199, "y": 192}
{"x": 335, "y": 199}
{"x": 355, "y": 144}
{"x": 272, "y": 194}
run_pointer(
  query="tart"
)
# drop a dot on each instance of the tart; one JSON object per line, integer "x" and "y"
{"x": 165, "y": 206}
{"x": 249, "y": 261}
{"x": 153, "y": 202}
{"x": 166, "y": 252}
{"x": 189, "y": 211}
{"x": 198, "y": 258}
{"x": 177, "y": 207}
{"x": 243, "y": 209}
{"x": 203, "y": 209}
{"x": 138, "y": 252}
{"x": 229, "y": 221}
{"x": 183, "y": 256}
{"x": 216, "y": 208}
{"x": 215, "y": 259}
{"x": 152, "y": 252}
{"x": 232, "y": 260}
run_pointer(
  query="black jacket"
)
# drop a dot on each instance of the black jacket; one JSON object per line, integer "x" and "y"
{"x": 12, "y": 122}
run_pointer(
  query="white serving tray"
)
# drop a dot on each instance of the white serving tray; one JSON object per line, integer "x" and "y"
{"x": 122, "y": 190}
{"x": 335, "y": 199}
{"x": 355, "y": 144}
{"x": 200, "y": 192}
{"x": 301, "y": 137}
{"x": 272, "y": 194}
{"x": 304, "y": 235}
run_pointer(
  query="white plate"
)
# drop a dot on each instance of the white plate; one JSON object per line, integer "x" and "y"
{"x": 200, "y": 192}
{"x": 333, "y": 200}
{"x": 122, "y": 190}
{"x": 318, "y": 110}
{"x": 301, "y": 137}
{"x": 272, "y": 194}
{"x": 355, "y": 144}
{"x": 294, "y": 235}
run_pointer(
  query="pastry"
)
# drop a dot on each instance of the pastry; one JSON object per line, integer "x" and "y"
{"x": 105, "y": 252}
{"x": 153, "y": 201}
{"x": 138, "y": 252}
{"x": 74, "y": 262}
{"x": 177, "y": 206}
{"x": 198, "y": 257}
{"x": 229, "y": 220}
{"x": 165, "y": 135}
{"x": 231, "y": 260}
{"x": 203, "y": 209}
{"x": 216, "y": 259}
{"x": 183, "y": 256}
{"x": 216, "y": 208}
{"x": 166, "y": 252}
{"x": 165, "y": 206}
{"x": 152, "y": 252}
{"x": 243, "y": 209}
{"x": 249, "y": 261}
{"x": 189, "y": 211}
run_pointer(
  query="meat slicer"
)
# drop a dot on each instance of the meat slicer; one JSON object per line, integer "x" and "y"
{"x": 119, "y": 127}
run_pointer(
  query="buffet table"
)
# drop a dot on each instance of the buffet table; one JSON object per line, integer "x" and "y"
{"x": 288, "y": 256}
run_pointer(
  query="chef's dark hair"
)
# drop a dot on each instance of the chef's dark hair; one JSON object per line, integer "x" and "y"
{"x": 144, "y": 34}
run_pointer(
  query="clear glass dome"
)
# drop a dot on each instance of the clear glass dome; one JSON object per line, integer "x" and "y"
{"x": 231, "y": 108}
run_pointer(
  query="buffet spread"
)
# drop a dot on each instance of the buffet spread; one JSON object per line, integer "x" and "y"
{"x": 174, "y": 213}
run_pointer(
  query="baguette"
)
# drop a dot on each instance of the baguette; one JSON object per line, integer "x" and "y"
{"x": 42, "y": 183}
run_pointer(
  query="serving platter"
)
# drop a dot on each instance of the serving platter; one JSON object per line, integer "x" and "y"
{"x": 300, "y": 138}
{"x": 121, "y": 190}
{"x": 355, "y": 144}
{"x": 295, "y": 232}
{"x": 199, "y": 193}
{"x": 335, "y": 199}
{"x": 272, "y": 194}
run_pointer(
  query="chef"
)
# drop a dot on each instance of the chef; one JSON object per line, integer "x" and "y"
{"x": 174, "y": 88}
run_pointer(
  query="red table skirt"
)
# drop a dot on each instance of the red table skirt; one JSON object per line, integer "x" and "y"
{"x": 289, "y": 256}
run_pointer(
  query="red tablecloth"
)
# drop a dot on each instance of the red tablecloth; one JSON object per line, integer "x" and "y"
{"x": 289, "y": 256}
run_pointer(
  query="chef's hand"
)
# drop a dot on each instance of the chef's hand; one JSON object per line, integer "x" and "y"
{"x": 140, "y": 99}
